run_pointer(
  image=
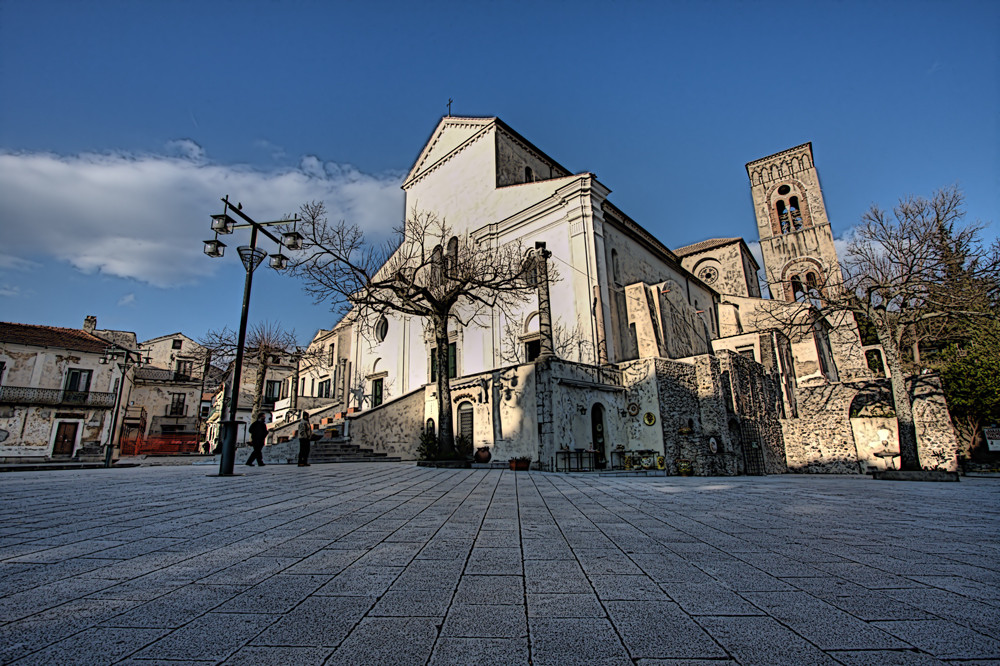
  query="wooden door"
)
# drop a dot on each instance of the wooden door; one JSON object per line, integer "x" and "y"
{"x": 65, "y": 438}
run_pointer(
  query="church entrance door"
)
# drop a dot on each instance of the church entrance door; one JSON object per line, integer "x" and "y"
{"x": 597, "y": 431}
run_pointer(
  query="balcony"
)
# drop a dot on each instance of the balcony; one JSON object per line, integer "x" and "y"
{"x": 28, "y": 395}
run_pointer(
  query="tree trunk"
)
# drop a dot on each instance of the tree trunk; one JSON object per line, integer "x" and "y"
{"x": 446, "y": 433}
{"x": 258, "y": 385}
{"x": 908, "y": 456}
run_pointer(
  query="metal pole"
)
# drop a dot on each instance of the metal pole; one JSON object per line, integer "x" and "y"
{"x": 109, "y": 453}
{"x": 231, "y": 425}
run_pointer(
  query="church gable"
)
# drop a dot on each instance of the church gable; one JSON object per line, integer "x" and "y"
{"x": 450, "y": 133}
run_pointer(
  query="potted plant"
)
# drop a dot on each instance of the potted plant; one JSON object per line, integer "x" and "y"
{"x": 521, "y": 463}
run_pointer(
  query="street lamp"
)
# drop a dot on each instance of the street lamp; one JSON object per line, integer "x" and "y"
{"x": 251, "y": 256}
{"x": 130, "y": 359}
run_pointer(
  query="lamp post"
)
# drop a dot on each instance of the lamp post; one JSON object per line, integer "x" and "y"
{"x": 113, "y": 353}
{"x": 251, "y": 256}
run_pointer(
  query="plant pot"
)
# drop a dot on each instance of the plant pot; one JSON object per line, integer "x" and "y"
{"x": 520, "y": 465}
{"x": 483, "y": 455}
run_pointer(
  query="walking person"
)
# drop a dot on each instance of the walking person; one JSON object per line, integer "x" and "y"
{"x": 305, "y": 439}
{"x": 258, "y": 433}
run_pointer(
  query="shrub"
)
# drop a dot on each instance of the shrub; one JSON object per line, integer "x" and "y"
{"x": 429, "y": 448}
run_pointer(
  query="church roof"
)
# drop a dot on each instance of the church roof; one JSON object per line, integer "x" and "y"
{"x": 51, "y": 336}
{"x": 701, "y": 246}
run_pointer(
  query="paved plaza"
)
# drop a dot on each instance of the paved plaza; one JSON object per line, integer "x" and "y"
{"x": 398, "y": 564}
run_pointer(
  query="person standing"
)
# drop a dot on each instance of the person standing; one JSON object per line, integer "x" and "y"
{"x": 258, "y": 433}
{"x": 305, "y": 439}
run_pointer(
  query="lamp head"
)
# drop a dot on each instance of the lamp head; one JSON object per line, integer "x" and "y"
{"x": 215, "y": 247}
{"x": 222, "y": 223}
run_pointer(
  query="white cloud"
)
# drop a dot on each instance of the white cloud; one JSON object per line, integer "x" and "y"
{"x": 127, "y": 299}
{"x": 10, "y": 291}
{"x": 187, "y": 149}
{"x": 145, "y": 216}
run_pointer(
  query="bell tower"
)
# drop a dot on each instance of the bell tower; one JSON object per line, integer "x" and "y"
{"x": 795, "y": 236}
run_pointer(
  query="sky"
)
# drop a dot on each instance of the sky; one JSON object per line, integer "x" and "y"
{"x": 122, "y": 124}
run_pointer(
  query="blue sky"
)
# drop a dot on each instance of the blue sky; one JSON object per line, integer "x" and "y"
{"x": 122, "y": 123}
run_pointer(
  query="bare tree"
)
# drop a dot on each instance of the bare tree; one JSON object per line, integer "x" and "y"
{"x": 424, "y": 270}
{"x": 267, "y": 345}
{"x": 910, "y": 274}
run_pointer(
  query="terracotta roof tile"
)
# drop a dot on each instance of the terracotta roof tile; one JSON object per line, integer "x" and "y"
{"x": 51, "y": 336}
{"x": 704, "y": 245}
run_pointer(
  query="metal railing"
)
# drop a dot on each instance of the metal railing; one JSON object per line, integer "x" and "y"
{"x": 29, "y": 395}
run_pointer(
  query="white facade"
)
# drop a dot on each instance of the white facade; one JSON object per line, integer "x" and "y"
{"x": 485, "y": 180}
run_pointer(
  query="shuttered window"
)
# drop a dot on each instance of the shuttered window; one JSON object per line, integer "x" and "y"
{"x": 465, "y": 420}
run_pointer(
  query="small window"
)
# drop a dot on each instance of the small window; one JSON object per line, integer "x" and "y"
{"x": 783, "y": 219}
{"x": 430, "y": 428}
{"x": 532, "y": 350}
{"x": 381, "y": 328}
{"x": 176, "y": 344}
{"x": 176, "y": 407}
{"x": 184, "y": 371}
{"x": 796, "y": 214}
{"x": 529, "y": 175}
{"x": 77, "y": 380}
{"x": 874, "y": 359}
{"x": 452, "y": 362}
{"x": 615, "y": 270}
{"x": 784, "y": 189}
{"x": 377, "y": 385}
{"x": 324, "y": 389}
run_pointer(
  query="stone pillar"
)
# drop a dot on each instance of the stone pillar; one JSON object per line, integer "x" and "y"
{"x": 544, "y": 306}
{"x": 602, "y": 341}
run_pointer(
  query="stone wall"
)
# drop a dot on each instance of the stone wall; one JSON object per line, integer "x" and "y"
{"x": 755, "y": 402}
{"x": 822, "y": 439}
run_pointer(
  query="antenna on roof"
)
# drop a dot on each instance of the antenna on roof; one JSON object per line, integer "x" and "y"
{"x": 450, "y": 100}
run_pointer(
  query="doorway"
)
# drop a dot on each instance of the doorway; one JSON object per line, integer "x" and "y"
{"x": 597, "y": 434}
{"x": 65, "y": 438}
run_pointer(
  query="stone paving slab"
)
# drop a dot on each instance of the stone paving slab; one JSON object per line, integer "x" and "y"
{"x": 398, "y": 564}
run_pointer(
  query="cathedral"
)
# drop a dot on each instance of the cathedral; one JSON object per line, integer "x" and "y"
{"x": 659, "y": 358}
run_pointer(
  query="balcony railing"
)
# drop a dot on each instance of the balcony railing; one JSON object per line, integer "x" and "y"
{"x": 28, "y": 395}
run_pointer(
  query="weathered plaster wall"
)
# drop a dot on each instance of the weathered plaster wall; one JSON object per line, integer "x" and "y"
{"x": 394, "y": 428}
{"x": 665, "y": 323}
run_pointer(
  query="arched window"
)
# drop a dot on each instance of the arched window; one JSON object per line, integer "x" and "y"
{"x": 798, "y": 292}
{"x": 451, "y": 260}
{"x": 381, "y": 329}
{"x": 529, "y": 175}
{"x": 465, "y": 420}
{"x": 783, "y": 216}
{"x": 430, "y": 428}
{"x": 796, "y": 213}
{"x": 437, "y": 264}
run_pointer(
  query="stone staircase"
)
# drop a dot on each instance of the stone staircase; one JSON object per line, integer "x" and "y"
{"x": 340, "y": 449}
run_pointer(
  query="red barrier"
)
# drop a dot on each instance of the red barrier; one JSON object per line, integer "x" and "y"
{"x": 160, "y": 445}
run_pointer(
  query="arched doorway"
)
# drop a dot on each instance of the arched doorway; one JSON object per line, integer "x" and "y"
{"x": 597, "y": 434}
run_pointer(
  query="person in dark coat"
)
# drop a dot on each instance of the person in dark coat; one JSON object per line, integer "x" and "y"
{"x": 258, "y": 433}
{"x": 305, "y": 439}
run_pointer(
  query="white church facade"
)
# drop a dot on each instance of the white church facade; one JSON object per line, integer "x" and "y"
{"x": 659, "y": 361}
